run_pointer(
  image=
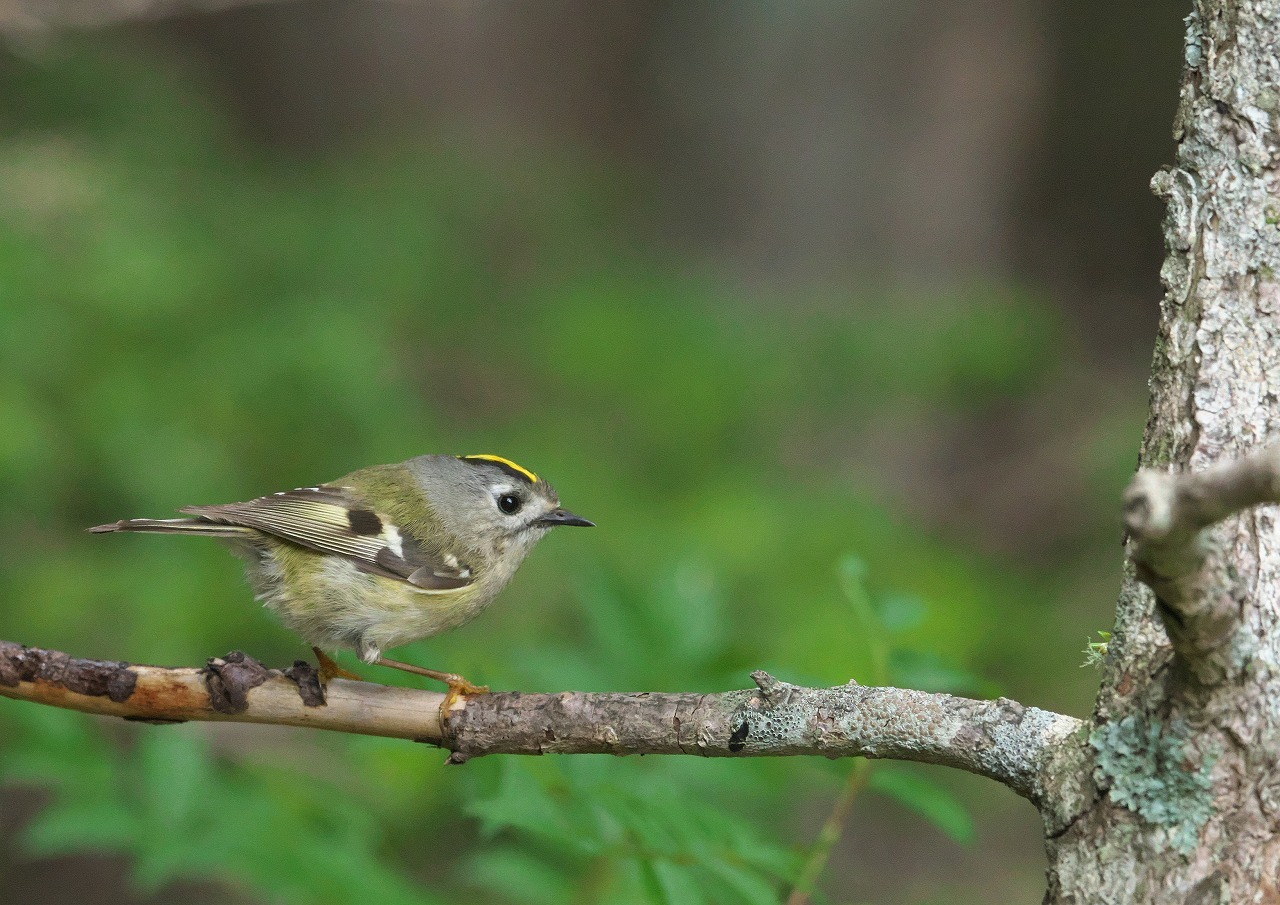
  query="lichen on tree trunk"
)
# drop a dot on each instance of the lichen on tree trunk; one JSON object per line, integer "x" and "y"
{"x": 1184, "y": 744}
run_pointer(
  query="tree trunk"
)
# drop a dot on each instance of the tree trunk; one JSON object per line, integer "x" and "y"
{"x": 1172, "y": 792}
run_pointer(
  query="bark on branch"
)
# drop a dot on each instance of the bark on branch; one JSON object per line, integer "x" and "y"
{"x": 1199, "y": 594}
{"x": 1000, "y": 739}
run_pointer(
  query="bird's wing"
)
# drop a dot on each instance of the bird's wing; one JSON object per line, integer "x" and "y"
{"x": 337, "y": 521}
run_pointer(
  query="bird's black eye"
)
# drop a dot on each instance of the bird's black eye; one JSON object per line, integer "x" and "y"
{"x": 510, "y": 503}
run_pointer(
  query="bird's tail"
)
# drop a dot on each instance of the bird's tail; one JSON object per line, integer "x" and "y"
{"x": 173, "y": 526}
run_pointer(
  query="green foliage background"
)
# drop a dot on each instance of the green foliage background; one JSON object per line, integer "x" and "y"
{"x": 186, "y": 317}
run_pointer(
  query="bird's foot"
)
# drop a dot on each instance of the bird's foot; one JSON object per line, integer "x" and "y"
{"x": 329, "y": 669}
{"x": 458, "y": 686}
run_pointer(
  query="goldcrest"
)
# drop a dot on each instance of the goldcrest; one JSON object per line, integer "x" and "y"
{"x": 387, "y": 554}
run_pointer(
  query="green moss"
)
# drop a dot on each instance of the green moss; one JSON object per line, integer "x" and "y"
{"x": 1152, "y": 771}
{"x": 1162, "y": 454}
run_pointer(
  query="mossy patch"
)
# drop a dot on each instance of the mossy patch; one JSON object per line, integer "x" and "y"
{"x": 1152, "y": 771}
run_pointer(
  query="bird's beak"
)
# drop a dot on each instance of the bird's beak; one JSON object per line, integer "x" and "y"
{"x": 563, "y": 517}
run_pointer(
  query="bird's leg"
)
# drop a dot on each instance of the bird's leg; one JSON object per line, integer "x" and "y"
{"x": 329, "y": 668}
{"x": 458, "y": 686}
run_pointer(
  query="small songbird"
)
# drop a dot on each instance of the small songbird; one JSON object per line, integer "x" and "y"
{"x": 387, "y": 554}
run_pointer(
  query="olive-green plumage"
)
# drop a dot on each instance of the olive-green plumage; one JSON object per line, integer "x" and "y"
{"x": 387, "y": 554}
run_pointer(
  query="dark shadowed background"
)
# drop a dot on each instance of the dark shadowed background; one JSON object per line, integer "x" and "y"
{"x": 835, "y": 316}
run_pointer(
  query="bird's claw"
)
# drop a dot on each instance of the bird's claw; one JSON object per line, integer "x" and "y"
{"x": 458, "y": 688}
{"x": 329, "y": 669}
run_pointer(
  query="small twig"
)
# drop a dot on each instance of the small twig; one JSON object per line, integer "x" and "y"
{"x": 1166, "y": 515}
{"x": 829, "y": 835}
{"x": 1166, "y": 512}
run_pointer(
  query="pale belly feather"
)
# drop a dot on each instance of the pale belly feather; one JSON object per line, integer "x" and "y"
{"x": 332, "y": 604}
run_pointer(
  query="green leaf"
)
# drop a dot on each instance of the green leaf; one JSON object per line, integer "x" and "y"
{"x": 927, "y": 671}
{"x": 931, "y": 801}
{"x": 655, "y": 828}
{"x": 853, "y": 575}
{"x": 686, "y": 604}
{"x": 671, "y": 884}
{"x": 174, "y": 761}
{"x": 746, "y": 842}
{"x": 72, "y": 823}
{"x": 522, "y": 801}
{"x": 520, "y": 875}
{"x": 901, "y": 612}
{"x": 747, "y": 885}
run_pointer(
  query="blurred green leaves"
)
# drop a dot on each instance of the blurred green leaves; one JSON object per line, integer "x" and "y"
{"x": 643, "y": 842}
{"x": 888, "y": 623}
{"x": 186, "y": 318}
{"x": 180, "y": 810}
{"x": 934, "y": 802}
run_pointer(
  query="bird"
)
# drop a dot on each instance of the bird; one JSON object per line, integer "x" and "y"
{"x": 386, "y": 555}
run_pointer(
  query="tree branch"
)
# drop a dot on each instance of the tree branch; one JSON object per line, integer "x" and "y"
{"x": 1199, "y": 595}
{"x": 999, "y": 739}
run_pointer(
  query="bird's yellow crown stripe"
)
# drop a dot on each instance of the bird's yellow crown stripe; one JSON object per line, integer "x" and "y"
{"x": 507, "y": 462}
